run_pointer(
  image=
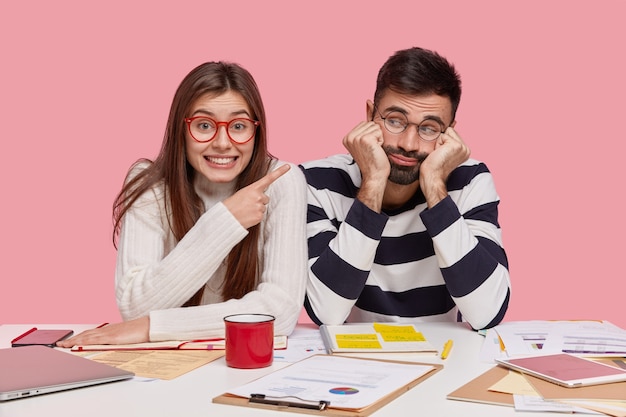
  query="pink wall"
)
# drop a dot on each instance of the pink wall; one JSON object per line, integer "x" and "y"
{"x": 84, "y": 91}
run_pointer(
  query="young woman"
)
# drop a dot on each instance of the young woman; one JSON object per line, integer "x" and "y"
{"x": 214, "y": 226}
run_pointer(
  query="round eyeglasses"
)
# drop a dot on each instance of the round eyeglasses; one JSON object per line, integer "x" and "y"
{"x": 204, "y": 129}
{"x": 396, "y": 122}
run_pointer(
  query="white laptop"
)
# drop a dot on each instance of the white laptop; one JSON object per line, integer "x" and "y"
{"x": 33, "y": 370}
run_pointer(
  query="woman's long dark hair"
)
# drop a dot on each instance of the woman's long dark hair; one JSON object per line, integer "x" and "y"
{"x": 172, "y": 168}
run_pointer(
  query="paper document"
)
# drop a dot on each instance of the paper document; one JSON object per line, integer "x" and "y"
{"x": 610, "y": 408}
{"x": 538, "y": 404}
{"x": 514, "y": 383}
{"x": 345, "y": 382}
{"x": 580, "y": 337}
{"x": 492, "y": 347}
{"x": 165, "y": 364}
{"x": 302, "y": 343}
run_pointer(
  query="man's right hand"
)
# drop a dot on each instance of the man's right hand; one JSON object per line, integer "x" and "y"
{"x": 364, "y": 143}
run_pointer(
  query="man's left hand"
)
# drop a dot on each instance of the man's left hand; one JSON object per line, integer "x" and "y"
{"x": 450, "y": 152}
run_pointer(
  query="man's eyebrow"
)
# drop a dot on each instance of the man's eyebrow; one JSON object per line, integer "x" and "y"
{"x": 435, "y": 118}
{"x": 395, "y": 108}
{"x": 398, "y": 109}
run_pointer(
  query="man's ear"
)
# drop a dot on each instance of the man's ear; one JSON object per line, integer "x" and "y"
{"x": 453, "y": 124}
{"x": 369, "y": 110}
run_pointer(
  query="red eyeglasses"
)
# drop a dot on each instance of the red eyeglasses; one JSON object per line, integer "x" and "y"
{"x": 204, "y": 129}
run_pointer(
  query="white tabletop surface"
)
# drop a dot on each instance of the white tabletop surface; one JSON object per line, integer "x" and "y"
{"x": 190, "y": 395}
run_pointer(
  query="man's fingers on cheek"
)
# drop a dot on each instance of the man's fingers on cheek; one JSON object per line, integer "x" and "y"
{"x": 451, "y": 133}
{"x": 375, "y": 130}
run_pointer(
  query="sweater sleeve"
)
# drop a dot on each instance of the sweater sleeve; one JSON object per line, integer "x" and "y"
{"x": 469, "y": 251}
{"x": 282, "y": 278}
{"x": 339, "y": 268}
{"x": 153, "y": 271}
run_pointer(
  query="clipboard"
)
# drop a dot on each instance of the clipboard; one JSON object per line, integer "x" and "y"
{"x": 323, "y": 407}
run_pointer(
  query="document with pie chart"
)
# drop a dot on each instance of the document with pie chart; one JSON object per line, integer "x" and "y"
{"x": 346, "y": 383}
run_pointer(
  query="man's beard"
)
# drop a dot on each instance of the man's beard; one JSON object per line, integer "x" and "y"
{"x": 404, "y": 175}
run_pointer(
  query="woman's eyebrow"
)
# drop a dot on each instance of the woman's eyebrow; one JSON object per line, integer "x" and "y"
{"x": 211, "y": 114}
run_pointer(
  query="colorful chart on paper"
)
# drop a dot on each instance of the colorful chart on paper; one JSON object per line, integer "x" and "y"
{"x": 343, "y": 390}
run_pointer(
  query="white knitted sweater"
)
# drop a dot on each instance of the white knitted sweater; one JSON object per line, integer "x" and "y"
{"x": 155, "y": 274}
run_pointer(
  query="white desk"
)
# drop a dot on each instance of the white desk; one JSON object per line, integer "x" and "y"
{"x": 190, "y": 395}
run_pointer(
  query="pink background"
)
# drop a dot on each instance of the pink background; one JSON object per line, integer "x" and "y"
{"x": 85, "y": 90}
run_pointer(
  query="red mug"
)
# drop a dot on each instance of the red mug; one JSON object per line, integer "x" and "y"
{"x": 249, "y": 340}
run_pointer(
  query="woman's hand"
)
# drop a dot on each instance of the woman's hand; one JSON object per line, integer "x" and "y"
{"x": 248, "y": 205}
{"x": 132, "y": 331}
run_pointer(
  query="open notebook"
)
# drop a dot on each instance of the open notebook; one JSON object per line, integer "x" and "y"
{"x": 280, "y": 342}
{"x": 35, "y": 370}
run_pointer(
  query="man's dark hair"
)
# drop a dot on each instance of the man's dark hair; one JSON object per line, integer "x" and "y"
{"x": 418, "y": 71}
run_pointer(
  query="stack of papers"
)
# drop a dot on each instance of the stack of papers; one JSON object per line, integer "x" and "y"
{"x": 588, "y": 338}
{"x": 600, "y": 340}
{"x": 578, "y": 337}
{"x": 527, "y": 393}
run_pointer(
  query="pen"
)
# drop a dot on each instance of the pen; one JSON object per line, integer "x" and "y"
{"x": 446, "y": 349}
{"x": 102, "y": 325}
